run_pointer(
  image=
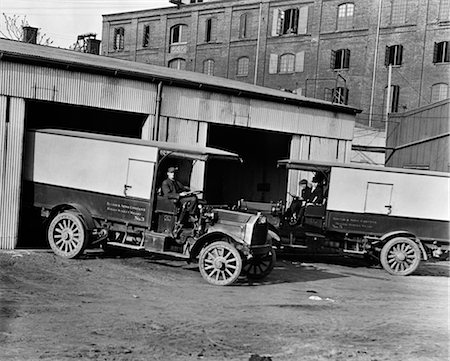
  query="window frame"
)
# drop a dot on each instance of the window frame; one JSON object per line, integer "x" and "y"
{"x": 339, "y": 93}
{"x": 182, "y": 30}
{"x": 209, "y": 66}
{"x": 290, "y": 63}
{"x": 441, "y": 52}
{"x": 146, "y": 36}
{"x": 209, "y": 30}
{"x": 243, "y": 22}
{"x": 119, "y": 38}
{"x": 239, "y": 67}
{"x": 343, "y": 55}
{"x": 439, "y": 92}
{"x": 344, "y": 23}
{"x": 399, "y": 10}
{"x": 179, "y": 61}
{"x": 394, "y": 55}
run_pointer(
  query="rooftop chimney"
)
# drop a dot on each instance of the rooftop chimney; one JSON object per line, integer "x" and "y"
{"x": 93, "y": 46}
{"x": 29, "y": 34}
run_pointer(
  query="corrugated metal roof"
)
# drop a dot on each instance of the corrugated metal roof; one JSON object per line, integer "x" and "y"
{"x": 71, "y": 60}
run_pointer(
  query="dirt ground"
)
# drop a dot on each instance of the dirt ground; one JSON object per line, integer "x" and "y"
{"x": 147, "y": 308}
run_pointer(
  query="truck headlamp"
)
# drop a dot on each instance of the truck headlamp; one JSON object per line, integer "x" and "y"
{"x": 262, "y": 220}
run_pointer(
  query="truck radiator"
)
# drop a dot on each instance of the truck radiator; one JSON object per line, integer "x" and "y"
{"x": 259, "y": 235}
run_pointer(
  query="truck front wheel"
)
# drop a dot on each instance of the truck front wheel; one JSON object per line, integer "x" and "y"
{"x": 400, "y": 256}
{"x": 67, "y": 235}
{"x": 220, "y": 263}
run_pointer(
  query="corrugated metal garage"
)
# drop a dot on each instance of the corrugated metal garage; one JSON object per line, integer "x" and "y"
{"x": 43, "y": 86}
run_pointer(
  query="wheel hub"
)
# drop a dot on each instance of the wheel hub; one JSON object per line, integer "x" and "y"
{"x": 219, "y": 263}
{"x": 67, "y": 235}
{"x": 400, "y": 256}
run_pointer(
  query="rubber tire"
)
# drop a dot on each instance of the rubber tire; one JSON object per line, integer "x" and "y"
{"x": 212, "y": 275}
{"x": 77, "y": 235}
{"x": 410, "y": 246}
{"x": 265, "y": 265}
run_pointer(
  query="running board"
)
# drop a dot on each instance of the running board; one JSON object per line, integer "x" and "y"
{"x": 128, "y": 246}
{"x": 295, "y": 246}
{"x": 353, "y": 252}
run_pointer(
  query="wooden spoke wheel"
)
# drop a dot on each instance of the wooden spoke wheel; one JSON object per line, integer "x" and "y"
{"x": 220, "y": 263}
{"x": 400, "y": 256}
{"x": 259, "y": 267}
{"x": 67, "y": 235}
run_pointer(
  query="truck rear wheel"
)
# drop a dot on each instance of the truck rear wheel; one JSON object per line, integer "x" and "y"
{"x": 259, "y": 267}
{"x": 400, "y": 256}
{"x": 220, "y": 263}
{"x": 67, "y": 235}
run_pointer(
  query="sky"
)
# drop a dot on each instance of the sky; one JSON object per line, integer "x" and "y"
{"x": 64, "y": 20}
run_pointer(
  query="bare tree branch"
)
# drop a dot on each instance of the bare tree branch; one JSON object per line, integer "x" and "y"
{"x": 14, "y": 29}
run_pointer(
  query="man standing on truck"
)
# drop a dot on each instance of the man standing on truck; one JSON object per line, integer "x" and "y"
{"x": 175, "y": 190}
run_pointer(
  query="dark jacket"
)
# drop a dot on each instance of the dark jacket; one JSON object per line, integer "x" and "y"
{"x": 317, "y": 195}
{"x": 172, "y": 188}
{"x": 306, "y": 194}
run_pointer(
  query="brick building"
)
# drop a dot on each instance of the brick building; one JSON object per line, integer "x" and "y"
{"x": 327, "y": 49}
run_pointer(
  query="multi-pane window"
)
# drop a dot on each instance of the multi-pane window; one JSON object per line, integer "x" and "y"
{"x": 393, "y": 55}
{"x": 441, "y": 52}
{"x": 444, "y": 10}
{"x": 243, "y": 26}
{"x": 119, "y": 38}
{"x": 345, "y": 16}
{"x": 178, "y": 63}
{"x": 208, "y": 67}
{"x": 290, "y": 21}
{"x": 178, "y": 39}
{"x": 340, "y": 59}
{"x": 287, "y": 62}
{"x": 398, "y": 11}
{"x": 146, "y": 36}
{"x": 242, "y": 66}
{"x": 439, "y": 92}
{"x": 340, "y": 95}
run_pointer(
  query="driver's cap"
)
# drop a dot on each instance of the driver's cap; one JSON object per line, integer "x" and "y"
{"x": 172, "y": 169}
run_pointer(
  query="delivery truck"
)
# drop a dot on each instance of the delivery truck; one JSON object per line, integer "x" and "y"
{"x": 94, "y": 190}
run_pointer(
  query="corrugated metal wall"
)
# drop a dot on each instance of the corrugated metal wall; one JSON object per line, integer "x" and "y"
{"x": 426, "y": 122}
{"x": 63, "y": 86}
{"x": 227, "y": 109}
{"x": 12, "y": 115}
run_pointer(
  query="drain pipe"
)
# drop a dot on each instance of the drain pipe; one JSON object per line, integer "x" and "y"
{"x": 155, "y": 135}
{"x": 377, "y": 38}
{"x": 258, "y": 44}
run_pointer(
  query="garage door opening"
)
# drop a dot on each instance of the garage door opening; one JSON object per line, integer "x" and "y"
{"x": 257, "y": 178}
{"x": 40, "y": 115}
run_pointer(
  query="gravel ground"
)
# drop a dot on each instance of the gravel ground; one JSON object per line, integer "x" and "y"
{"x": 145, "y": 308}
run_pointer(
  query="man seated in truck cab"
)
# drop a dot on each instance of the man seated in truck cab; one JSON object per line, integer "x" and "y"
{"x": 173, "y": 189}
{"x": 295, "y": 211}
{"x": 318, "y": 192}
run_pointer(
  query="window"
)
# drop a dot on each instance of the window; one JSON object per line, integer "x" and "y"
{"x": 340, "y": 95}
{"x": 393, "y": 55}
{"x": 179, "y": 64}
{"x": 119, "y": 37}
{"x": 398, "y": 11}
{"x": 208, "y": 67}
{"x": 178, "y": 39}
{"x": 146, "y": 36}
{"x": 444, "y": 10}
{"x": 395, "y": 96}
{"x": 209, "y": 30}
{"x": 287, "y": 63}
{"x": 178, "y": 34}
{"x": 345, "y": 16}
{"x": 243, "y": 26}
{"x": 196, "y": 1}
{"x": 439, "y": 92}
{"x": 441, "y": 52}
{"x": 242, "y": 66}
{"x": 290, "y": 21}
{"x": 340, "y": 59}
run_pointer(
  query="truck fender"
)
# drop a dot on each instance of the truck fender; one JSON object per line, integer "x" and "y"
{"x": 209, "y": 238}
{"x": 388, "y": 236}
{"x": 85, "y": 214}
